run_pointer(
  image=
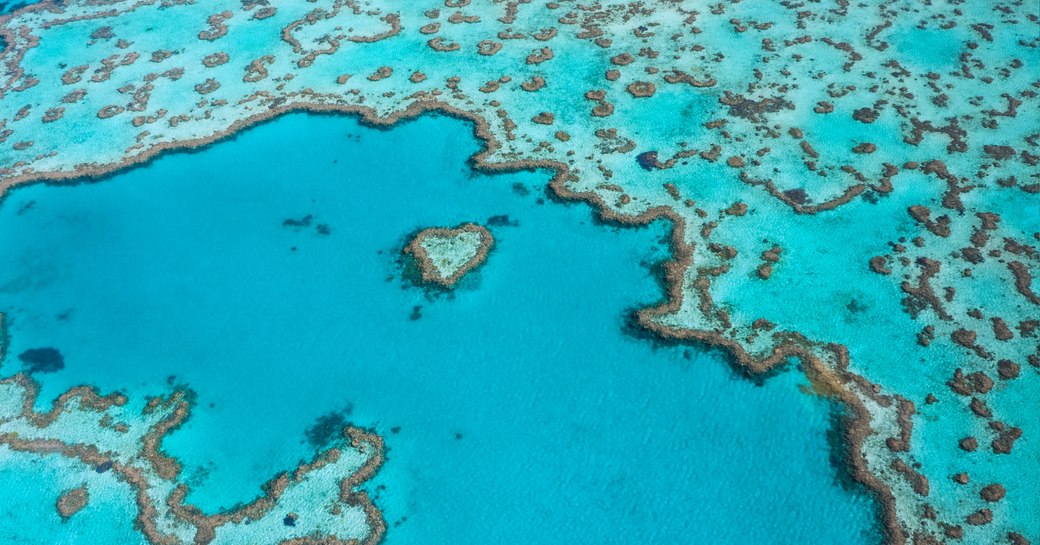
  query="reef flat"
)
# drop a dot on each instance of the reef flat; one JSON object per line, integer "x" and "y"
{"x": 114, "y": 436}
{"x": 851, "y": 186}
{"x": 444, "y": 255}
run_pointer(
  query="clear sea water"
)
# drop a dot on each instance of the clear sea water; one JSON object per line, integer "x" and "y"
{"x": 518, "y": 409}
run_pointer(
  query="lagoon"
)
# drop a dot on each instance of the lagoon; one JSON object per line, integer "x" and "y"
{"x": 520, "y": 407}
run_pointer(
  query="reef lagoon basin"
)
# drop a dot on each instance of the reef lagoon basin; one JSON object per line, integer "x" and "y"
{"x": 519, "y": 406}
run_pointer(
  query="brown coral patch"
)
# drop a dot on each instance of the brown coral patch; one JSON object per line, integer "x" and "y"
{"x": 382, "y": 73}
{"x": 544, "y": 118}
{"x": 488, "y": 47}
{"x": 430, "y": 272}
{"x": 533, "y": 84}
{"x": 641, "y": 89}
{"x": 993, "y": 492}
{"x": 72, "y": 501}
{"x": 215, "y": 59}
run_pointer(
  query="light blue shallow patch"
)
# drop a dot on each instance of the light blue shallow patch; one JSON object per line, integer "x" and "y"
{"x": 526, "y": 414}
{"x": 29, "y": 490}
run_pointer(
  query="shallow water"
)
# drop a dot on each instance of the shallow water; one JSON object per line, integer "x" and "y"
{"x": 517, "y": 409}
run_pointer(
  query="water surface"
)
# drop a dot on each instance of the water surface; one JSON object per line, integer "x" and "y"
{"x": 516, "y": 409}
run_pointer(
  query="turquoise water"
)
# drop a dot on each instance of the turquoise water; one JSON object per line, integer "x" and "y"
{"x": 517, "y": 409}
{"x": 28, "y": 515}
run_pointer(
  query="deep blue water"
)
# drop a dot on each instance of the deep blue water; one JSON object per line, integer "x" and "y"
{"x": 516, "y": 410}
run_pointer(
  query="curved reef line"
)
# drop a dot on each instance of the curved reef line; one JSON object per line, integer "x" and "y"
{"x": 857, "y": 426}
{"x": 745, "y": 107}
{"x": 167, "y": 468}
{"x": 430, "y": 272}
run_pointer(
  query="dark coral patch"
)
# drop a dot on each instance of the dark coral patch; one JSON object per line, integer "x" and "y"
{"x": 42, "y": 360}
{"x": 502, "y": 220}
{"x": 797, "y": 195}
{"x": 647, "y": 160}
{"x": 328, "y": 427}
{"x": 302, "y": 222}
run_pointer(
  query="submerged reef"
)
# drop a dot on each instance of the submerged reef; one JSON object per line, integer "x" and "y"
{"x": 121, "y": 437}
{"x": 72, "y": 501}
{"x": 42, "y": 360}
{"x": 855, "y": 186}
{"x": 444, "y": 255}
